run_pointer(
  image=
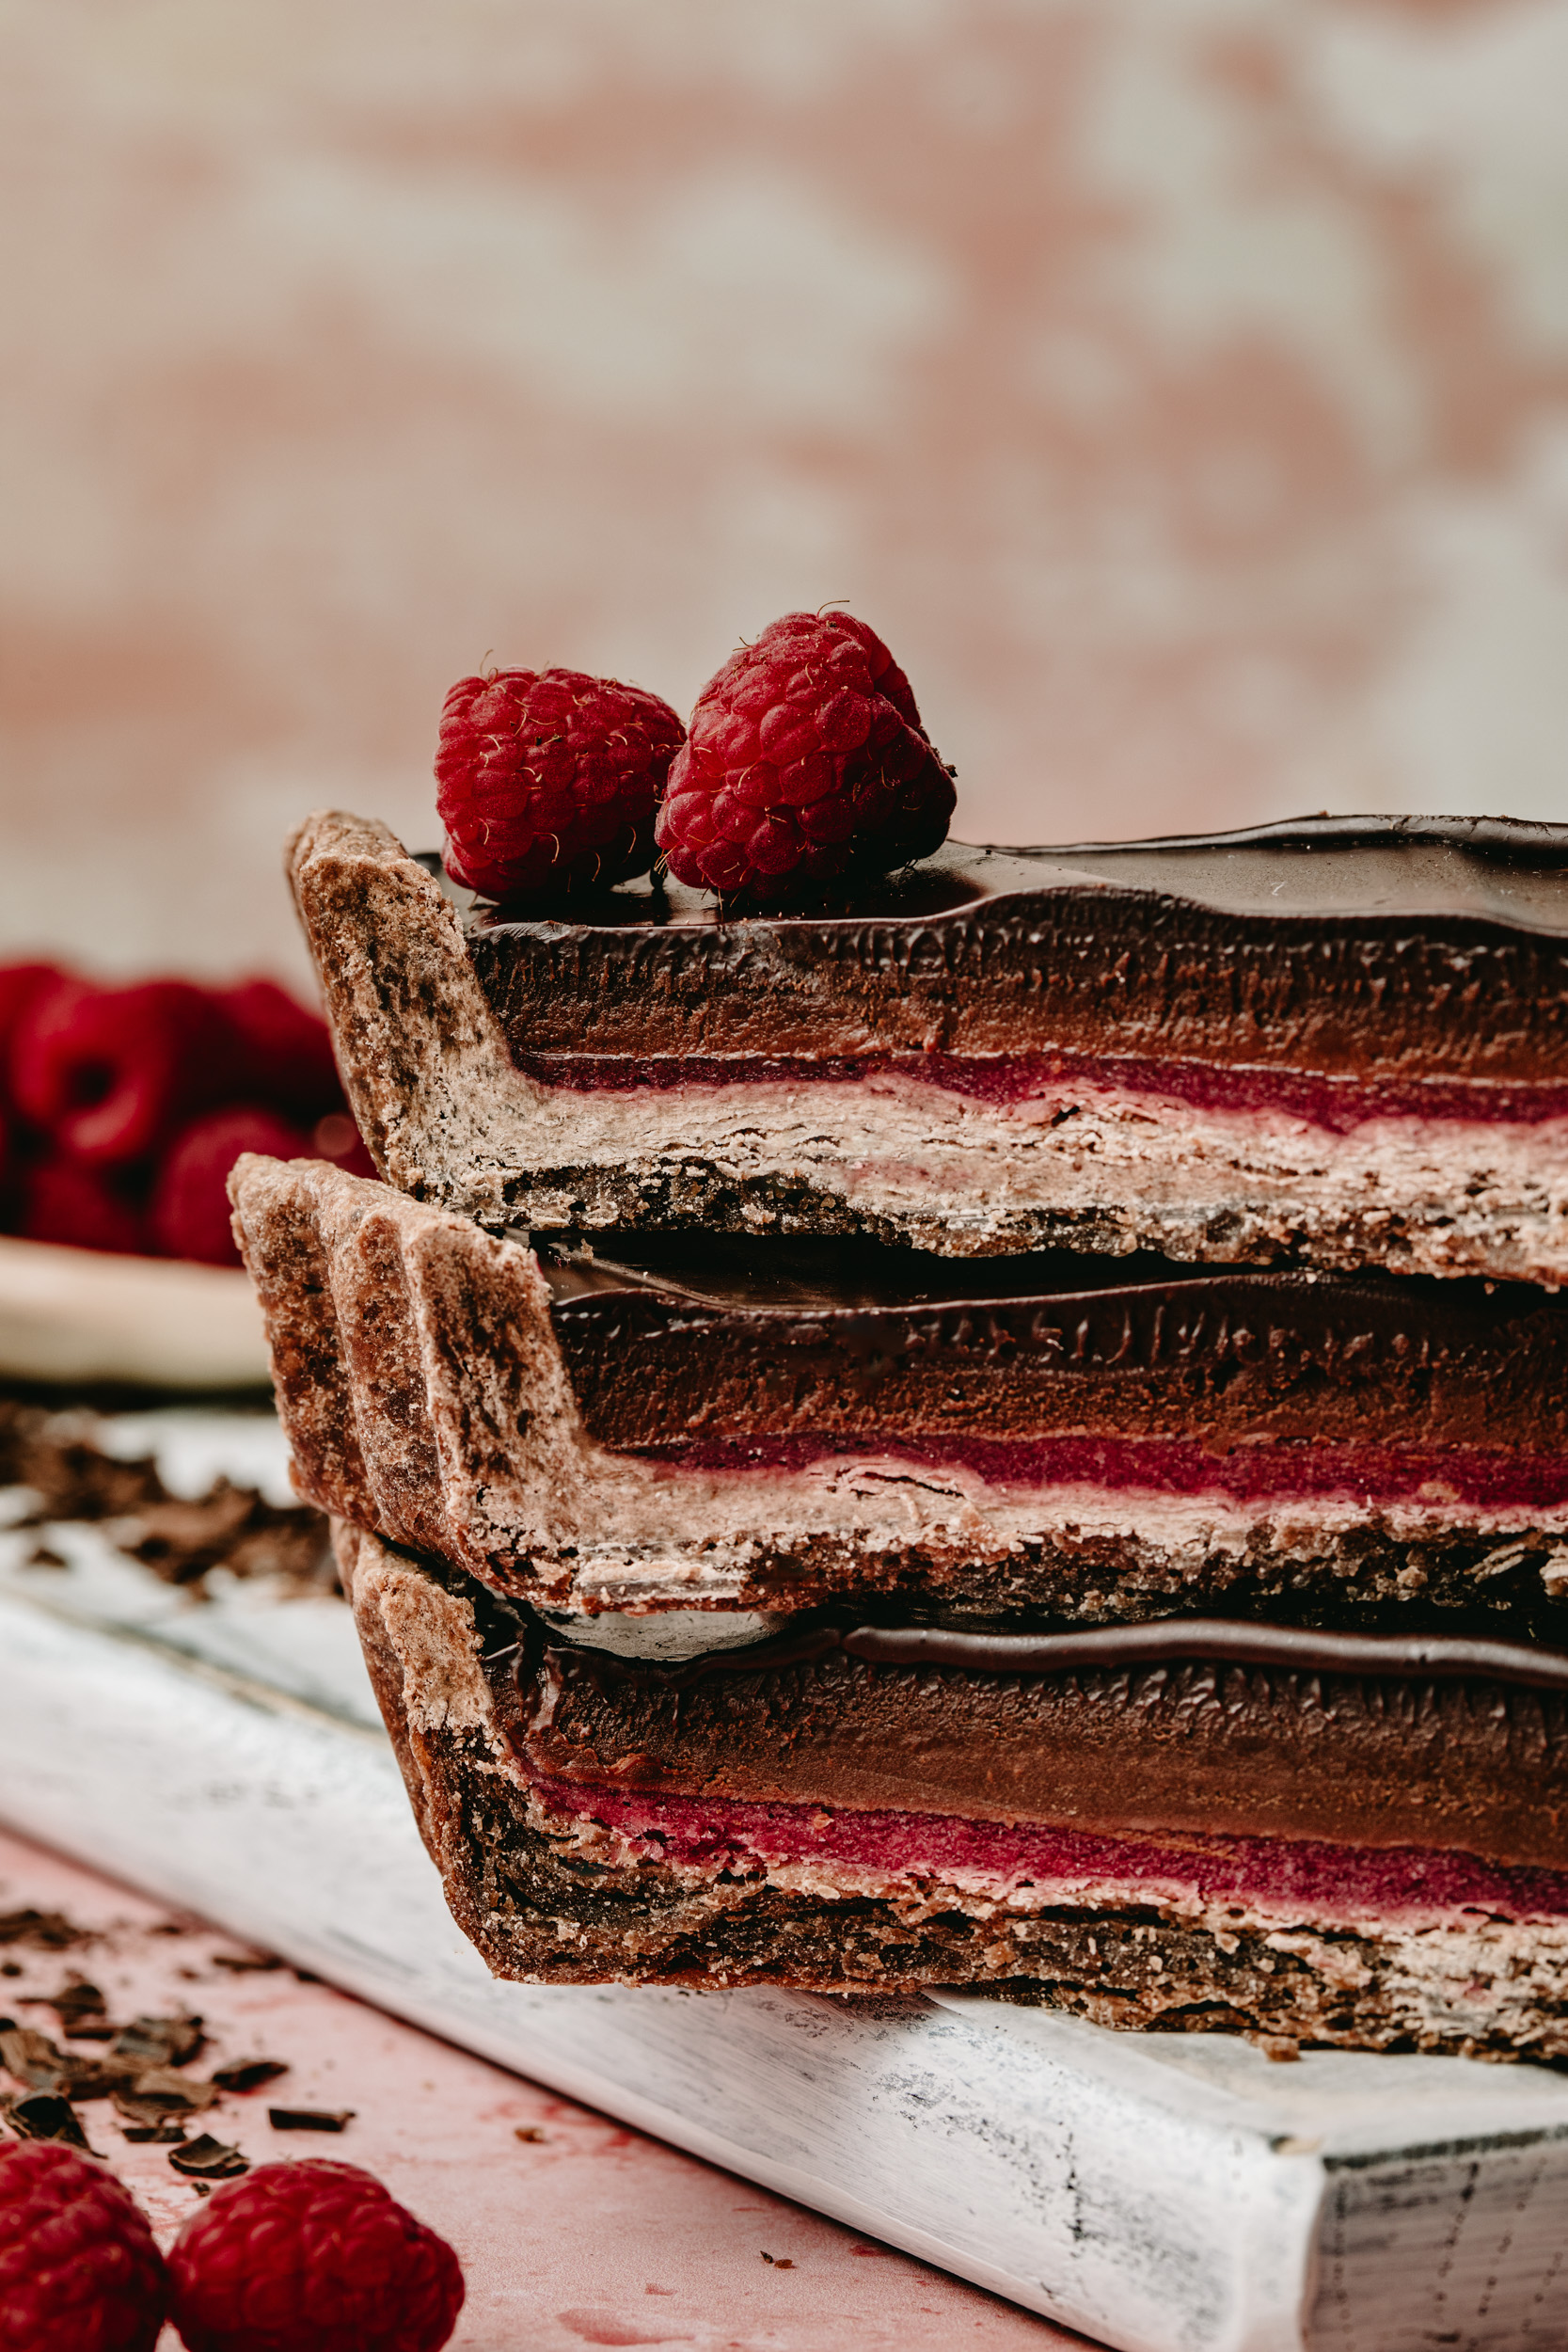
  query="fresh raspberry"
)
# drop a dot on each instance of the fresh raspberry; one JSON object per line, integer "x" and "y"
{"x": 19, "y": 984}
{"x": 105, "y": 1071}
{"x": 806, "y": 760}
{"x": 79, "y": 2271}
{"x": 67, "y": 1199}
{"x": 551, "y": 777}
{"x": 188, "y": 1214}
{"x": 285, "y": 1052}
{"x": 311, "y": 2257}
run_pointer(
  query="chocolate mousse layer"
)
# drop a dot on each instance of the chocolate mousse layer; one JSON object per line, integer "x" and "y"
{"x": 613, "y": 1438}
{"x": 1211, "y": 1728}
{"x": 1338, "y": 1043}
{"x": 1378, "y": 949}
{"x": 727, "y": 1349}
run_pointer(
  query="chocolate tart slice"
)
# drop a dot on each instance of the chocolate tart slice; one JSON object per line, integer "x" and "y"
{"x": 1339, "y": 1041}
{"x": 769, "y": 1426}
{"x": 1316, "y": 1838}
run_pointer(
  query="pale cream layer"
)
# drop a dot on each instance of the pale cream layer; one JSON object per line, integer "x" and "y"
{"x": 1432, "y": 1195}
{"x": 699, "y": 1536}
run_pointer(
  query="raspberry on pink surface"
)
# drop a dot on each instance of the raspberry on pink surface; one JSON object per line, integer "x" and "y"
{"x": 79, "y": 2270}
{"x": 188, "y": 1212}
{"x": 806, "y": 761}
{"x": 551, "y": 778}
{"x": 311, "y": 2257}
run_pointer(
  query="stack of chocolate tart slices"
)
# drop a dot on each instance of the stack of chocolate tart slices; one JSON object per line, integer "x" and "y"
{"x": 1007, "y": 1427}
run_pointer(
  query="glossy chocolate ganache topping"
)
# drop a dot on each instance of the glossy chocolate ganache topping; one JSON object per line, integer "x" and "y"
{"x": 1388, "y": 952}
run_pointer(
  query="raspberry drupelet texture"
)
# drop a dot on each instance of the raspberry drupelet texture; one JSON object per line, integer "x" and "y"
{"x": 79, "y": 2270}
{"x": 311, "y": 2257}
{"x": 550, "y": 777}
{"x": 806, "y": 761}
{"x": 187, "y": 1212}
{"x": 105, "y": 1071}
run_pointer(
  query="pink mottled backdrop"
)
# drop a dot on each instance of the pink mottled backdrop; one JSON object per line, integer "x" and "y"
{"x": 1181, "y": 385}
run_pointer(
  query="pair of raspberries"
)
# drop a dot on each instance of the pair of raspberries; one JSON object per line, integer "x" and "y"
{"x": 806, "y": 761}
{"x": 313, "y": 2257}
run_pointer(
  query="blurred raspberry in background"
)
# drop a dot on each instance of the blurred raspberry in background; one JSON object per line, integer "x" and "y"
{"x": 122, "y": 1110}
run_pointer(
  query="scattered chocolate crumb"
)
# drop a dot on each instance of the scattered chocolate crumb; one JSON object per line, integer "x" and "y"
{"x": 246, "y": 1964}
{"x": 528, "y": 2131}
{"x": 44, "y": 1556}
{"x": 1279, "y": 2049}
{"x": 44, "y": 2115}
{"x": 157, "y": 2093}
{"x": 231, "y": 1526}
{"x": 247, "y": 2073}
{"x": 50, "y": 1930}
{"x": 11, "y": 1968}
{"x": 208, "y": 2159}
{"x": 778, "y": 2262}
{"x": 310, "y": 2119}
{"x": 81, "y": 2009}
{"x": 158, "y": 2040}
{"x": 42, "y": 2065}
{"x": 305, "y": 1976}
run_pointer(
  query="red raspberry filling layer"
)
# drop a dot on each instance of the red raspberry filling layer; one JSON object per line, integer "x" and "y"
{"x": 1461, "y": 1476}
{"x": 1410, "y": 1885}
{"x": 1335, "y": 1105}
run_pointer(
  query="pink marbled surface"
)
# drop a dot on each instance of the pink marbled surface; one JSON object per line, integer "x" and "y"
{"x": 590, "y": 2234}
{"x": 1184, "y": 389}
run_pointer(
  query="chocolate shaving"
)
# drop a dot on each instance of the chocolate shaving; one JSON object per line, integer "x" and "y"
{"x": 246, "y": 1964}
{"x": 210, "y": 2158}
{"x": 158, "y": 2041}
{"x": 169, "y": 2133}
{"x": 310, "y": 2119}
{"x": 158, "y": 2092}
{"x": 231, "y": 1526}
{"x": 50, "y": 1930}
{"x": 44, "y": 2115}
{"x": 247, "y": 2073}
{"x": 36, "y": 2061}
{"x": 81, "y": 2009}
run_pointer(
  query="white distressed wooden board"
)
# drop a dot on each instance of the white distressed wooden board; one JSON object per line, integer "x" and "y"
{"x": 1163, "y": 2195}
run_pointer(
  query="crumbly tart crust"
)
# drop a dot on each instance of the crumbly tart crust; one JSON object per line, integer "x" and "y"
{"x": 551, "y": 1897}
{"x": 425, "y": 1394}
{"x": 452, "y": 1119}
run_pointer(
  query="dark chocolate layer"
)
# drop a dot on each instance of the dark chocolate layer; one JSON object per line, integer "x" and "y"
{"x": 670, "y": 1343}
{"x": 1385, "y": 950}
{"x": 1254, "y": 1732}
